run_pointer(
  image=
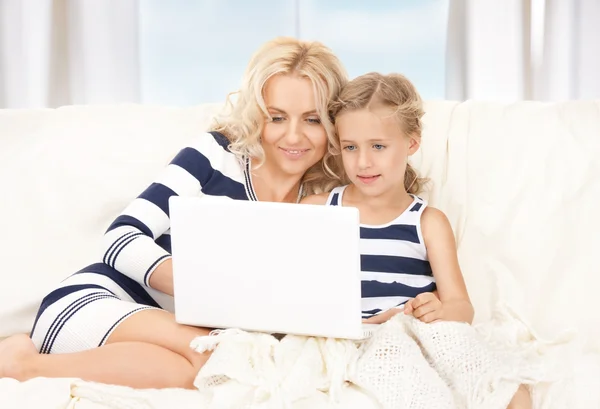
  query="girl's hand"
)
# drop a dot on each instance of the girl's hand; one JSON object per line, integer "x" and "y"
{"x": 426, "y": 307}
{"x": 383, "y": 317}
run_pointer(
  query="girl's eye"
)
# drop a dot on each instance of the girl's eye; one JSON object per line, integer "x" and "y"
{"x": 378, "y": 146}
{"x": 350, "y": 147}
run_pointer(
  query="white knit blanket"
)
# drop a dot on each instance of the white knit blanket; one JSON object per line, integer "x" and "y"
{"x": 405, "y": 364}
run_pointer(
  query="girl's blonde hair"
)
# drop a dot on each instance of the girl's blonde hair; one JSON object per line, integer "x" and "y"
{"x": 375, "y": 90}
{"x": 243, "y": 121}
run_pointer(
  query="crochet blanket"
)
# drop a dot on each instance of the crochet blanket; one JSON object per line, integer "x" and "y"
{"x": 405, "y": 364}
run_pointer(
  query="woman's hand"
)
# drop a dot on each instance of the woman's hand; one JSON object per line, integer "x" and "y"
{"x": 426, "y": 307}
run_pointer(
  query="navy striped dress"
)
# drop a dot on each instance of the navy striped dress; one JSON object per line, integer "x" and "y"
{"x": 394, "y": 264}
{"x": 86, "y": 307}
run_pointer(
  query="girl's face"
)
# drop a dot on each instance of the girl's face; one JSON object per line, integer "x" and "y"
{"x": 375, "y": 151}
{"x": 295, "y": 139}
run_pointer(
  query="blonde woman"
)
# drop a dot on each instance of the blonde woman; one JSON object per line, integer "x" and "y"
{"x": 112, "y": 321}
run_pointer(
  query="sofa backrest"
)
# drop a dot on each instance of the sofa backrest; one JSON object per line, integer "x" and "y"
{"x": 519, "y": 182}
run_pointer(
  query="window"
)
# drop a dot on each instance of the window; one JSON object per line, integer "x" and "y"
{"x": 196, "y": 51}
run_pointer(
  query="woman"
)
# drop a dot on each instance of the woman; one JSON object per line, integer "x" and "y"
{"x": 112, "y": 322}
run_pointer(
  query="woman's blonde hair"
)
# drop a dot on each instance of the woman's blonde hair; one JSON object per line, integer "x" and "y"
{"x": 395, "y": 91}
{"x": 243, "y": 121}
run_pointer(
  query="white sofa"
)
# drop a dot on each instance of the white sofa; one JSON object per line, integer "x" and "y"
{"x": 519, "y": 182}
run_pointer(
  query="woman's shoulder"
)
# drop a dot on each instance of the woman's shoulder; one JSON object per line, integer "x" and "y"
{"x": 210, "y": 141}
{"x": 211, "y": 144}
{"x": 206, "y": 152}
{"x": 220, "y": 139}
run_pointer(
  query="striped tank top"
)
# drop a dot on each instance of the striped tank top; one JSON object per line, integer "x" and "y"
{"x": 393, "y": 257}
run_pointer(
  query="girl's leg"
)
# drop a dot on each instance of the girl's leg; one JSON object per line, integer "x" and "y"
{"x": 147, "y": 350}
{"x": 521, "y": 400}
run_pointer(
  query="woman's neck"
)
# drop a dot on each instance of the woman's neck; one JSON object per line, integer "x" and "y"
{"x": 272, "y": 186}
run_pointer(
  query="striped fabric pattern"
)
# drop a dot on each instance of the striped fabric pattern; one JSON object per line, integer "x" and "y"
{"x": 394, "y": 264}
{"x": 85, "y": 308}
{"x": 139, "y": 240}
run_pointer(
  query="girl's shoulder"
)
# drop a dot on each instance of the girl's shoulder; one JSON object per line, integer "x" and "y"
{"x": 432, "y": 215}
{"x": 435, "y": 223}
{"x": 316, "y": 199}
{"x": 325, "y": 198}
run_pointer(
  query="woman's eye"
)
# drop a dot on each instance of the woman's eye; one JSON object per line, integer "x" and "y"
{"x": 316, "y": 121}
{"x": 378, "y": 146}
{"x": 277, "y": 118}
{"x": 350, "y": 147}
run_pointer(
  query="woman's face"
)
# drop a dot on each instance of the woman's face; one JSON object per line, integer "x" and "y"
{"x": 294, "y": 140}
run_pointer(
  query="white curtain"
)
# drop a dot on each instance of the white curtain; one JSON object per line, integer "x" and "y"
{"x": 62, "y": 52}
{"x": 523, "y": 49}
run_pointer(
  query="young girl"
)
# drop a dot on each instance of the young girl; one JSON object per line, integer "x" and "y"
{"x": 408, "y": 251}
{"x": 407, "y": 248}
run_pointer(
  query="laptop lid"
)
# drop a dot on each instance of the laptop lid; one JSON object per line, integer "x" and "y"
{"x": 268, "y": 267}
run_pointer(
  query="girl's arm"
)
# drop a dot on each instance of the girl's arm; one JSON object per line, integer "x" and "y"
{"x": 442, "y": 254}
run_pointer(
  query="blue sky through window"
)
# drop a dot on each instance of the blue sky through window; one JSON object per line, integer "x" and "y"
{"x": 195, "y": 51}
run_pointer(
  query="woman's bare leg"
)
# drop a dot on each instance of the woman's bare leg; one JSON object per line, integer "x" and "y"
{"x": 147, "y": 350}
{"x": 521, "y": 400}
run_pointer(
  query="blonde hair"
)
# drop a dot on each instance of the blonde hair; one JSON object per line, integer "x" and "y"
{"x": 243, "y": 121}
{"x": 390, "y": 91}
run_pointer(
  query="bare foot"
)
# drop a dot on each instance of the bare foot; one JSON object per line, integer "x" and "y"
{"x": 14, "y": 351}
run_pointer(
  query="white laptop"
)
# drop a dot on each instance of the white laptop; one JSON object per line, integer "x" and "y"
{"x": 267, "y": 267}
